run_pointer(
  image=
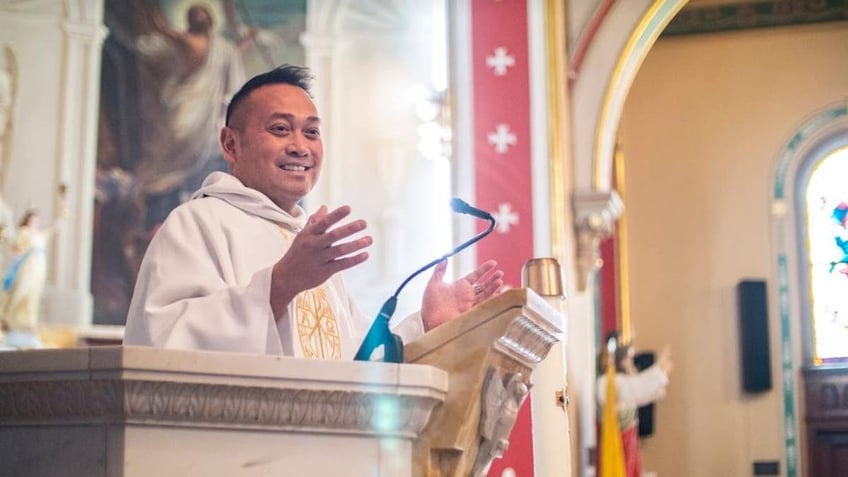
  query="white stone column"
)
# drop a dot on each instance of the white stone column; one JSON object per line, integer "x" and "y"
{"x": 68, "y": 300}
{"x": 594, "y": 214}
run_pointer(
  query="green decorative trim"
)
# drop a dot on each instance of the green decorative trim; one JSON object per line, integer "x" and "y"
{"x": 801, "y": 138}
{"x": 809, "y": 127}
{"x": 790, "y": 431}
{"x": 656, "y": 23}
{"x": 764, "y": 14}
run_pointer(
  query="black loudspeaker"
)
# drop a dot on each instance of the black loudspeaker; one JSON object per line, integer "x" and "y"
{"x": 754, "y": 335}
{"x": 642, "y": 361}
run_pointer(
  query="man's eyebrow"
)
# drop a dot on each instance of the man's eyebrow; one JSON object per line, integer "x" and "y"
{"x": 290, "y": 117}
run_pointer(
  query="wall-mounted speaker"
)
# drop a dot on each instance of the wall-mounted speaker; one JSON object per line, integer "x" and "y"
{"x": 754, "y": 335}
{"x": 645, "y": 360}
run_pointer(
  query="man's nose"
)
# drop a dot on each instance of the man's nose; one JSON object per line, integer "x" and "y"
{"x": 297, "y": 147}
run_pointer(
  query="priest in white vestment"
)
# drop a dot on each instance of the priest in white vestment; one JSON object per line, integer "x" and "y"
{"x": 241, "y": 268}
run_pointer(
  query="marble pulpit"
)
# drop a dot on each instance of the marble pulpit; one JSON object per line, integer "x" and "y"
{"x": 116, "y": 411}
{"x": 141, "y": 412}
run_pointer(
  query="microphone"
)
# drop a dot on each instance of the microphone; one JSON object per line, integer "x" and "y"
{"x": 460, "y": 206}
{"x": 380, "y": 334}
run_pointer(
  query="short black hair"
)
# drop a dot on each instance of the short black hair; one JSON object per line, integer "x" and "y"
{"x": 299, "y": 76}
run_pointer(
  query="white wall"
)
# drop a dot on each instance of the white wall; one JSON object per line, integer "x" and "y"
{"x": 703, "y": 126}
{"x": 371, "y": 60}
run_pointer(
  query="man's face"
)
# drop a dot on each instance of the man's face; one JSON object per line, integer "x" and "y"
{"x": 199, "y": 19}
{"x": 273, "y": 143}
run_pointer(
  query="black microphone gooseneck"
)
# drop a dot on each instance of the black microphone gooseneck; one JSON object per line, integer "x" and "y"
{"x": 380, "y": 333}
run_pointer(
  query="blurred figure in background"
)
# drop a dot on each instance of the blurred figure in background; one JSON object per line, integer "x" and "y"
{"x": 633, "y": 389}
{"x": 24, "y": 281}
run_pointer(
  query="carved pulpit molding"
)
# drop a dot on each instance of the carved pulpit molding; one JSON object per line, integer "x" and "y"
{"x": 595, "y": 213}
{"x": 527, "y": 340}
{"x": 203, "y": 405}
{"x": 127, "y": 385}
{"x": 490, "y": 354}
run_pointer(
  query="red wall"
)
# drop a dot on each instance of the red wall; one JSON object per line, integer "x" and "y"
{"x": 503, "y": 179}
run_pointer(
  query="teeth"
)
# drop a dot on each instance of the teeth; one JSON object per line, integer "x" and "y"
{"x": 292, "y": 167}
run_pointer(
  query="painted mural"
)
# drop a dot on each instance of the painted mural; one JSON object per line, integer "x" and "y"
{"x": 169, "y": 69}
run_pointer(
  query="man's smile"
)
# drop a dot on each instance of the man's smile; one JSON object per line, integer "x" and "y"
{"x": 295, "y": 167}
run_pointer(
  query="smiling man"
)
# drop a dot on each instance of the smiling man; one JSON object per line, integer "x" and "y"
{"x": 241, "y": 268}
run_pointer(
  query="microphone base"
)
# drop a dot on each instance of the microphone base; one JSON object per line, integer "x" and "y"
{"x": 381, "y": 335}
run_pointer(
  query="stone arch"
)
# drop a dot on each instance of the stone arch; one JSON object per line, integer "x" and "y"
{"x": 615, "y": 47}
{"x": 613, "y": 58}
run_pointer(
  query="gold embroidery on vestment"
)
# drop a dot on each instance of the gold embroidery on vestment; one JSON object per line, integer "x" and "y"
{"x": 317, "y": 327}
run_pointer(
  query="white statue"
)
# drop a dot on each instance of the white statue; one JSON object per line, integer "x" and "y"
{"x": 501, "y": 400}
{"x": 23, "y": 283}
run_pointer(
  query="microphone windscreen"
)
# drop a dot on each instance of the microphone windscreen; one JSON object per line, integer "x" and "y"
{"x": 459, "y": 206}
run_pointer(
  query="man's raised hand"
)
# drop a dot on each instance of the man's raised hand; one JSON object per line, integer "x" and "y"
{"x": 322, "y": 249}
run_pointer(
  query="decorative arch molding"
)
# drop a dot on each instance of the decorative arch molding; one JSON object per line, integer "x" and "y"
{"x": 612, "y": 59}
{"x": 611, "y": 62}
{"x": 820, "y": 134}
{"x": 630, "y": 60}
{"x": 818, "y": 131}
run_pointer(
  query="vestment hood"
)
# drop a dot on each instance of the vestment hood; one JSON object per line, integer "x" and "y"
{"x": 229, "y": 189}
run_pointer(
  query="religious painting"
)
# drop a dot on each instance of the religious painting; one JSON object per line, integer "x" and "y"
{"x": 169, "y": 68}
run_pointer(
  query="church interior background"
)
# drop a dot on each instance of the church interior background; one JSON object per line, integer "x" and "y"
{"x": 662, "y": 150}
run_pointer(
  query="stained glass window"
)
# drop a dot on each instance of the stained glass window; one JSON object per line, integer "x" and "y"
{"x": 827, "y": 232}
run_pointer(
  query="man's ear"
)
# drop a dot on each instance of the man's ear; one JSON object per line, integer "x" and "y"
{"x": 229, "y": 144}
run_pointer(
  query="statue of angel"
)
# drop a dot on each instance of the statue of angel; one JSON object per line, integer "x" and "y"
{"x": 24, "y": 281}
{"x": 501, "y": 400}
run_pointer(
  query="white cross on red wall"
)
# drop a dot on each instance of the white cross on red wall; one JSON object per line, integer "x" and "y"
{"x": 500, "y": 61}
{"x": 502, "y": 138}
